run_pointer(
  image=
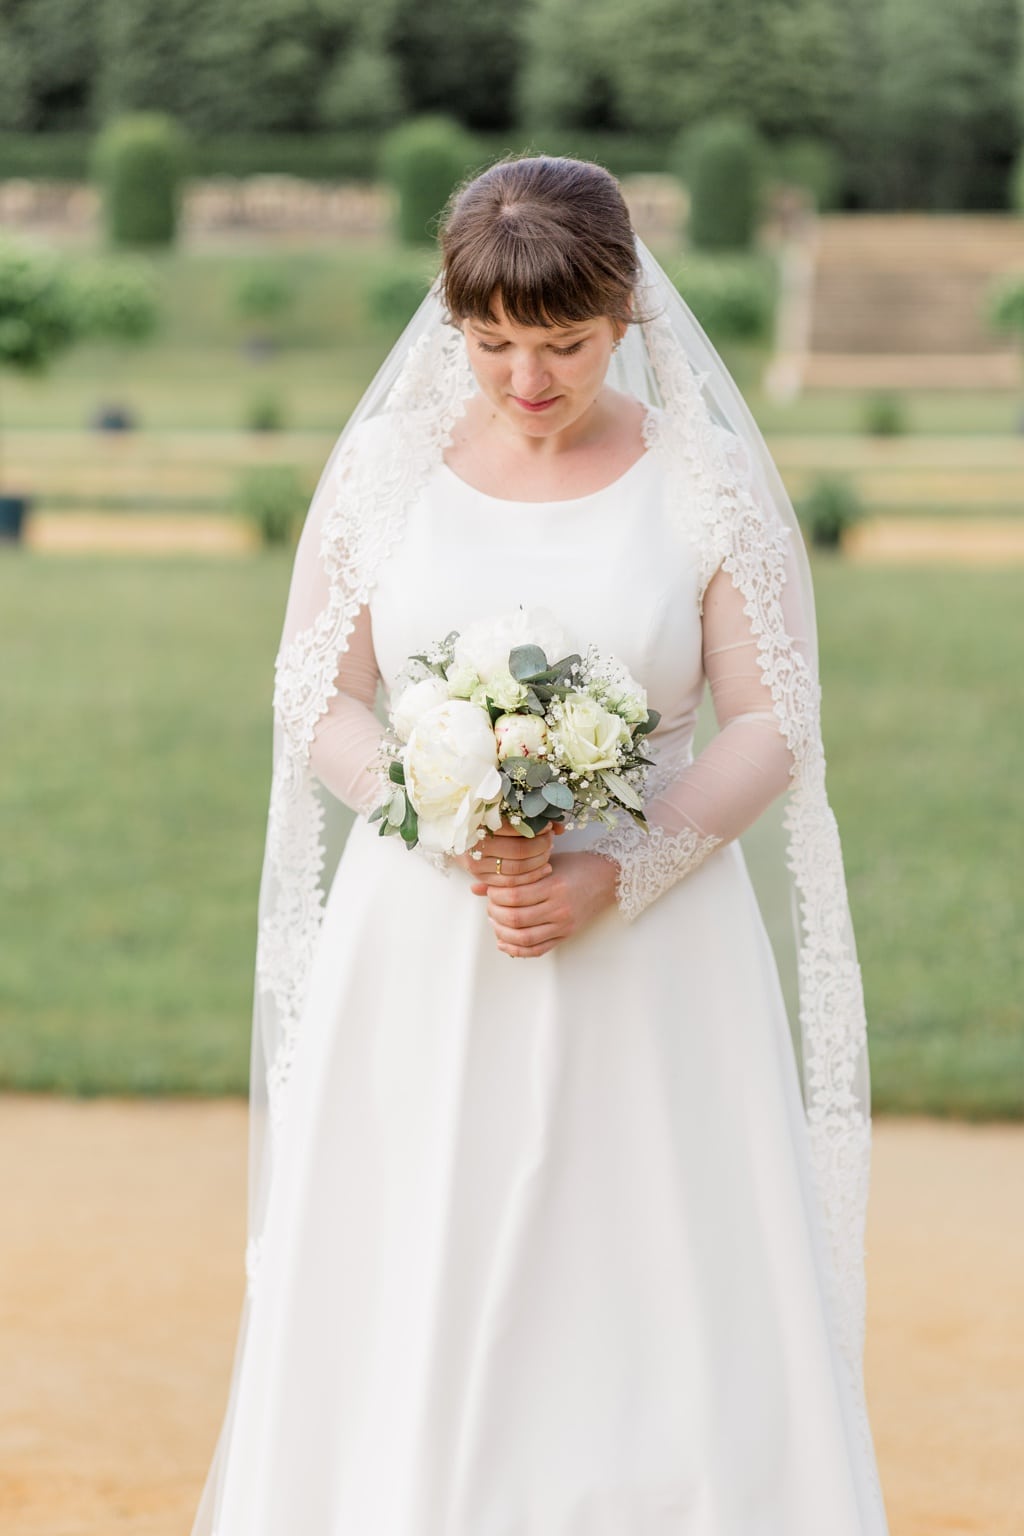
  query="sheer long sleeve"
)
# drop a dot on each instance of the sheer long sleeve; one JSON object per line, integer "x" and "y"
{"x": 344, "y": 749}
{"x": 739, "y": 773}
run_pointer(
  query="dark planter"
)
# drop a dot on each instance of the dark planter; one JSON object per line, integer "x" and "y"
{"x": 12, "y": 518}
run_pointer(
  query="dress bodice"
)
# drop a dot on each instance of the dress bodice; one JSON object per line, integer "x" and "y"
{"x": 612, "y": 567}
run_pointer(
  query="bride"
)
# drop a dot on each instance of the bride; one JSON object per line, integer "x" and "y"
{"x": 569, "y": 1247}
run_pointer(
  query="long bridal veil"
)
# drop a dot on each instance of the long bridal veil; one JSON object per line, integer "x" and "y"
{"x": 733, "y": 505}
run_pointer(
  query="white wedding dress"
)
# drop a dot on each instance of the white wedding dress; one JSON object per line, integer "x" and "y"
{"x": 542, "y": 1255}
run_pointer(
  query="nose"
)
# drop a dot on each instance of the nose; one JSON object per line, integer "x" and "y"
{"x": 529, "y": 376}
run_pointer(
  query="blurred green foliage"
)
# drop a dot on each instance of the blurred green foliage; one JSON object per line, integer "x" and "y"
{"x": 722, "y": 162}
{"x": 140, "y": 162}
{"x": 733, "y": 297}
{"x": 918, "y": 101}
{"x": 885, "y": 414}
{"x": 831, "y": 506}
{"x": 425, "y": 160}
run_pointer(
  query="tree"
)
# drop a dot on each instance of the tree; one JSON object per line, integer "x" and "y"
{"x": 460, "y": 57}
{"x": 948, "y": 102}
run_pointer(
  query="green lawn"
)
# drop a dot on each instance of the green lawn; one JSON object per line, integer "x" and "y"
{"x": 135, "y": 700}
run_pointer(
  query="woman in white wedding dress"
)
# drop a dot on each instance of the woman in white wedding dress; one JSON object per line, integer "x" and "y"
{"x": 564, "y": 1246}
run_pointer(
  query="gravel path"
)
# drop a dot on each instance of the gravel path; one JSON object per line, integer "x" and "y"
{"x": 121, "y": 1282}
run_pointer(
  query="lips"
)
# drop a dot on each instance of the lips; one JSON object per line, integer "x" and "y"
{"x": 535, "y": 405}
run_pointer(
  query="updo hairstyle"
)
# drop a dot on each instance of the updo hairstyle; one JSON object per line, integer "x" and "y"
{"x": 551, "y": 236}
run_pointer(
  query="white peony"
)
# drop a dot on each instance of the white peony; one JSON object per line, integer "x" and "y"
{"x": 520, "y": 736}
{"x": 588, "y": 737}
{"x": 451, "y": 776}
{"x": 414, "y": 701}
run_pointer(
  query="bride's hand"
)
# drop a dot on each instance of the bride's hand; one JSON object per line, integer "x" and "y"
{"x": 523, "y": 859}
{"x": 532, "y": 919}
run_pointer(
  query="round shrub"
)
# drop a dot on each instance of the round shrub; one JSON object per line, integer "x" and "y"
{"x": 273, "y": 499}
{"x": 139, "y": 163}
{"x": 394, "y": 297}
{"x": 265, "y": 412}
{"x": 885, "y": 415}
{"x": 732, "y": 298}
{"x": 831, "y": 506}
{"x": 722, "y": 163}
{"x": 425, "y": 161}
{"x": 115, "y": 301}
{"x": 37, "y": 312}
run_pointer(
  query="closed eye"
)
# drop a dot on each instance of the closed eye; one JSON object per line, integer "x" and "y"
{"x": 559, "y": 351}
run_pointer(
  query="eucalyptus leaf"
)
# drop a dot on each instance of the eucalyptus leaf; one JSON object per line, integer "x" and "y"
{"x": 377, "y": 814}
{"x": 506, "y": 785}
{"x": 537, "y": 824}
{"x": 538, "y": 772}
{"x": 534, "y": 803}
{"x": 525, "y": 661}
{"x": 621, "y": 790}
{"x": 558, "y": 794}
{"x": 397, "y": 806}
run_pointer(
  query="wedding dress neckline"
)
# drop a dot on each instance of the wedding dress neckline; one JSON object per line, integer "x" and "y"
{"x": 566, "y": 501}
{"x": 554, "y": 501}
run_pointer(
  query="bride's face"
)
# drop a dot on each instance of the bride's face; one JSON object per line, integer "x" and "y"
{"x": 540, "y": 378}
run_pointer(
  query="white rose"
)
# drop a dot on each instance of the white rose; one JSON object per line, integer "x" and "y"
{"x": 414, "y": 701}
{"x": 631, "y": 705}
{"x": 451, "y": 776}
{"x": 520, "y": 736}
{"x": 587, "y": 736}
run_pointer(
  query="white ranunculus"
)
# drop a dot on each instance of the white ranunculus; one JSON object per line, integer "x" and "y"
{"x": 451, "y": 775}
{"x": 414, "y": 701}
{"x": 587, "y": 736}
{"x": 520, "y": 736}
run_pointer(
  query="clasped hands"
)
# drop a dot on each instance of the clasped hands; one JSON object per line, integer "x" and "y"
{"x": 535, "y": 901}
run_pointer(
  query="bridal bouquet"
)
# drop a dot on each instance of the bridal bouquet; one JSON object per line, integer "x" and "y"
{"x": 488, "y": 726}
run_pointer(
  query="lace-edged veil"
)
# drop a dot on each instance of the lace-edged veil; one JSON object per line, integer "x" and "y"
{"x": 734, "y": 507}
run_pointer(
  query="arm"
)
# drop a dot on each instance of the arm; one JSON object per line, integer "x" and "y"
{"x": 344, "y": 747}
{"x": 738, "y": 774}
{"x": 715, "y": 798}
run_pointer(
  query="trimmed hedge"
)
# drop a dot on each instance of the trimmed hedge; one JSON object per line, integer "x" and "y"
{"x": 333, "y": 157}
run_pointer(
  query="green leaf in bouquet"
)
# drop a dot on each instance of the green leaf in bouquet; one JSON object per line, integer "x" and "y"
{"x": 646, "y": 726}
{"x": 536, "y": 824}
{"x": 538, "y": 772}
{"x": 397, "y": 807}
{"x": 534, "y": 703}
{"x": 396, "y": 773}
{"x": 377, "y": 814}
{"x": 514, "y": 765}
{"x": 506, "y": 785}
{"x": 559, "y": 795}
{"x": 525, "y": 829}
{"x": 410, "y": 828}
{"x": 526, "y": 661}
{"x": 535, "y": 803}
{"x": 622, "y": 791}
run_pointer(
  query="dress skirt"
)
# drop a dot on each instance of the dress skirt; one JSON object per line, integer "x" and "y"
{"x": 543, "y": 1256}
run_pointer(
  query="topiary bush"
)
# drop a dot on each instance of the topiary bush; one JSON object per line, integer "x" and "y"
{"x": 722, "y": 163}
{"x": 831, "y": 506}
{"x": 140, "y": 162}
{"x": 425, "y": 161}
{"x": 812, "y": 165}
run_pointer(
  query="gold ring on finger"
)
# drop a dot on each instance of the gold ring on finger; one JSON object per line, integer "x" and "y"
{"x": 497, "y": 866}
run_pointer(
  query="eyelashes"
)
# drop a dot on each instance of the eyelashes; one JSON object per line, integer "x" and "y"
{"x": 558, "y": 351}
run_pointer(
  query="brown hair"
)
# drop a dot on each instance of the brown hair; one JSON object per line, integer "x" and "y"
{"x": 551, "y": 236}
